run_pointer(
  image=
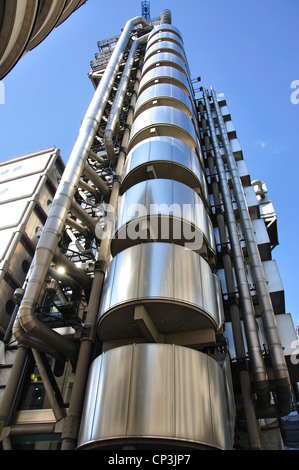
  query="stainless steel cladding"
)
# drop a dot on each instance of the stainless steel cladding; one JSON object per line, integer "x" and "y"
{"x": 169, "y": 158}
{"x": 162, "y": 210}
{"x": 139, "y": 392}
{"x": 165, "y": 27}
{"x": 175, "y": 284}
{"x": 166, "y": 47}
{"x": 165, "y": 36}
{"x": 164, "y": 94}
{"x": 165, "y": 74}
{"x": 166, "y": 17}
{"x": 165, "y": 58}
{"x": 164, "y": 120}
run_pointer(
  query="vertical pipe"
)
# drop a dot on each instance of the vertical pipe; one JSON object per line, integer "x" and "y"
{"x": 244, "y": 379}
{"x": 62, "y": 202}
{"x": 48, "y": 387}
{"x": 258, "y": 368}
{"x": 283, "y": 387}
{"x": 117, "y": 104}
{"x": 12, "y": 386}
{"x": 72, "y": 421}
{"x": 166, "y": 17}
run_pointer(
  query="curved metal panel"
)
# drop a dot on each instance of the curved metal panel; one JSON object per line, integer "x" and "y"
{"x": 164, "y": 74}
{"x": 165, "y": 36}
{"x": 164, "y": 121}
{"x": 163, "y": 94}
{"x": 165, "y": 46}
{"x": 17, "y": 25}
{"x": 162, "y": 210}
{"x": 165, "y": 58}
{"x": 47, "y": 20}
{"x": 155, "y": 394}
{"x": 26, "y": 23}
{"x": 165, "y": 27}
{"x": 175, "y": 284}
{"x": 170, "y": 158}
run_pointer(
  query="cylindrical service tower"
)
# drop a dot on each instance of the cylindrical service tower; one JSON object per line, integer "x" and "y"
{"x": 160, "y": 296}
{"x": 164, "y": 329}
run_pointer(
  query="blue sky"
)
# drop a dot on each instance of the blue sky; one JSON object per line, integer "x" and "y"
{"x": 248, "y": 50}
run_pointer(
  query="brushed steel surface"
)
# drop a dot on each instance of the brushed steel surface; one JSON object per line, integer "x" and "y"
{"x": 165, "y": 36}
{"x": 175, "y": 284}
{"x": 165, "y": 27}
{"x": 158, "y": 392}
{"x": 164, "y": 74}
{"x": 165, "y": 58}
{"x": 163, "y": 210}
{"x": 171, "y": 158}
{"x": 165, "y": 121}
{"x": 163, "y": 94}
{"x": 62, "y": 202}
{"x": 165, "y": 46}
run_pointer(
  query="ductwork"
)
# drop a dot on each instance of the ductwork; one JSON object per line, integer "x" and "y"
{"x": 119, "y": 99}
{"x": 54, "y": 226}
{"x": 258, "y": 368}
{"x": 282, "y": 380}
{"x": 252, "y": 424}
{"x": 72, "y": 421}
{"x": 118, "y": 103}
{"x": 166, "y": 17}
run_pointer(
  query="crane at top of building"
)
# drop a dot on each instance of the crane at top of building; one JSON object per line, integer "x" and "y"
{"x": 145, "y": 10}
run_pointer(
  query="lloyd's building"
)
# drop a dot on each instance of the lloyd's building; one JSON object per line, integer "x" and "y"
{"x": 152, "y": 314}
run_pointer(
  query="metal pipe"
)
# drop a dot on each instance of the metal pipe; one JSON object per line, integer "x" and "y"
{"x": 48, "y": 387}
{"x": 63, "y": 278}
{"x": 244, "y": 379}
{"x": 118, "y": 103}
{"x": 32, "y": 428}
{"x": 281, "y": 375}
{"x": 8, "y": 397}
{"x": 25, "y": 339}
{"x": 9, "y": 328}
{"x": 87, "y": 187}
{"x": 6, "y": 444}
{"x": 76, "y": 273}
{"x": 258, "y": 368}
{"x": 77, "y": 226}
{"x": 62, "y": 202}
{"x": 83, "y": 216}
{"x": 96, "y": 157}
{"x": 97, "y": 180}
{"x": 119, "y": 98}
{"x": 165, "y": 17}
{"x": 72, "y": 421}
